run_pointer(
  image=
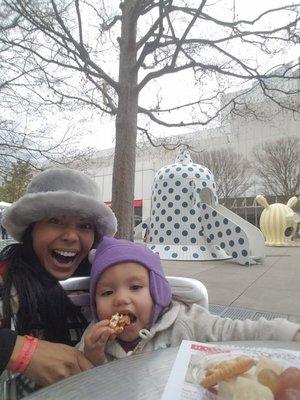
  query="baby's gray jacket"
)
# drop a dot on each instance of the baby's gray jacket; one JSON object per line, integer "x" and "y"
{"x": 192, "y": 322}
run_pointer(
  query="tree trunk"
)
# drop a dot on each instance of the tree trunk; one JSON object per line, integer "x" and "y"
{"x": 126, "y": 124}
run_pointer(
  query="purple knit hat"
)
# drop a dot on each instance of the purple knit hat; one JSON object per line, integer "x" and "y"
{"x": 113, "y": 251}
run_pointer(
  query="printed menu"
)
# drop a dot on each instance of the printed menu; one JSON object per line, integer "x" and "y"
{"x": 204, "y": 371}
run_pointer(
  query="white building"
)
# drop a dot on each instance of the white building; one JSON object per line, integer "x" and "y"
{"x": 258, "y": 120}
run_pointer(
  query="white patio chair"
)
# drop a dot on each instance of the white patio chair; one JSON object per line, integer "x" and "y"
{"x": 188, "y": 290}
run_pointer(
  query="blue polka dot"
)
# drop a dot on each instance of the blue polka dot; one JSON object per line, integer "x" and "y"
{"x": 154, "y": 199}
{"x": 217, "y": 224}
{"x": 220, "y": 234}
{"x": 176, "y": 240}
{"x": 168, "y": 170}
{"x": 171, "y": 176}
{"x": 206, "y": 216}
{"x": 184, "y": 204}
{"x": 193, "y": 240}
{"x": 191, "y": 169}
{"x": 171, "y": 190}
{"x": 241, "y": 241}
{"x": 167, "y": 248}
{"x": 144, "y": 226}
{"x": 184, "y": 175}
{"x": 195, "y": 255}
{"x": 156, "y": 219}
{"x": 157, "y": 205}
{"x": 234, "y": 254}
{"x": 185, "y": 190}
{"x": 228, "y": 232}
{"x": 174, "y": 255}
{"x": 193, "y": 226}
{"x": 192, "y": 212}
{"x": 214, "y": 255}
{"x": 200, "y": 232}
{"x": 208, "y": 240}
{"x": 152, "y": 247}
{"x": 199, "y": 219}
{"x": 168, "y": 232}
{"x": 214, "y": 213}
{"x": 204, "y": 184}
{"x": 225, "y": 221}
{"x": 161, "y": 176}
{"x": 202, "y": 248}
{"x": 197, "y": 175}
{"x": 211, "y": 236}
{"x": 161, "y": 239}
{"x": 163, "y": 212}
{"x": 177, "y": 197}
{"x": 203, "y": 206}
{"x": 208, "y": 226}
{"x": 165, "y": 184}
{"x": 201, "y": 169}
{"x": 177, "y": 183}
{"x": 185, "y": 233}
{"x": 169, "y": 218}
{"x": 152, "y": 225}
{"x": 164, "y": 198}
{"x": 155, "y": 232}
{"x": 170, "y": 204}
{"x": 177, "y": 211}
{"x": 184, "y": 248}
{"x": 244, "y": 253}
{"x": 238, "y": 229}
{"x": 162, "y": 225}
{"x": 231, "y": 243}
{"x": 184, "y": 218}
{"x": 176, "y": 225}
{"x": 159, "y": 192}
{"x": 222, "y": 245}
{"x": 178, "y": 169}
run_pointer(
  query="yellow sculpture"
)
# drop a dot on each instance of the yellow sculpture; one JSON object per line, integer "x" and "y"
{"x": 278, "y": 222}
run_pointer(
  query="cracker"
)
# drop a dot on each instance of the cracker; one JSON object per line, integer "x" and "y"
{"x": 118, "y": 322}
{"x": 226, "y": 370}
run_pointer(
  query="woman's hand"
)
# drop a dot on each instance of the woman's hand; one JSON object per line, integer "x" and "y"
{"x": 95, "y": 341}
{"x": 52, "y": 362}
{"x": 297, "y": 337}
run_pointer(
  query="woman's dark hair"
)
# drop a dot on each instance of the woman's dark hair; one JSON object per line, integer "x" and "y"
{"x": 43, "y": 304}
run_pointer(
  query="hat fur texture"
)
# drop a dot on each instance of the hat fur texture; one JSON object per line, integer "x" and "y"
{"x": 115, "y": 251}
{"x": 59, "y": 191}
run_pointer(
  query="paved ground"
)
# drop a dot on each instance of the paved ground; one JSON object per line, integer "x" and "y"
{"x": 270, "y": 290}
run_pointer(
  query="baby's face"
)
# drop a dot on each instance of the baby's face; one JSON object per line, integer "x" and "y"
{"x": 124, "y": 289}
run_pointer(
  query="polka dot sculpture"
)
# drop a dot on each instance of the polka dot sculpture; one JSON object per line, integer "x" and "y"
{"x": 278, "y": 222}
{"x": 187, "y": 223}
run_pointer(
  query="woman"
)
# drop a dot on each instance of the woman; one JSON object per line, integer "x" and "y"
{"x": 56, "y": 223}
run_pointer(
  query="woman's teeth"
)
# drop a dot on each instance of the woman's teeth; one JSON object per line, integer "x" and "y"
{"x": 64, "y": 256}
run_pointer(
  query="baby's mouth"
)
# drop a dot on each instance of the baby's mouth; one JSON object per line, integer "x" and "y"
{"x": 131, "y": 316}
{"x": 64, "y": 257}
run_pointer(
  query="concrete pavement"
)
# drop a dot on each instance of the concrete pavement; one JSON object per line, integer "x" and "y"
{"x": 271, "y": 289}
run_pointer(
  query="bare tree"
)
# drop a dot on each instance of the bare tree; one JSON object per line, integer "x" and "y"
{"x": 278, "y": 165}
{"x": 231, "y": 171}
{"x": 95, "y": 53}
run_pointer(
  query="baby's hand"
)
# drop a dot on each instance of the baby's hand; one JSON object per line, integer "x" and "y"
{"x": 95, "y": 341}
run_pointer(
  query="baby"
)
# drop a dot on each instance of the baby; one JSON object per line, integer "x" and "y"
{"x": 127, "y": 278}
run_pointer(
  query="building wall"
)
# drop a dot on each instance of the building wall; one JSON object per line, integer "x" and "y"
{"x": 241, "y": 132}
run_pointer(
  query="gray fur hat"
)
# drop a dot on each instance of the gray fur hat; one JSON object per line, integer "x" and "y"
{"x": 59, "y": 191}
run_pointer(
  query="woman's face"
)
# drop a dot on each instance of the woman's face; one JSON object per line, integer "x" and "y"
{"x": 62, "y": 242}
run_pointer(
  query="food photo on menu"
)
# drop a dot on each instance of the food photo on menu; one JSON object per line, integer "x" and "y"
{"x": 204, "y": 371}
